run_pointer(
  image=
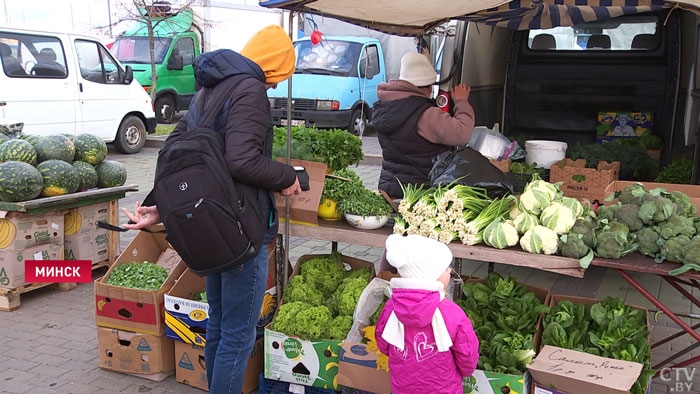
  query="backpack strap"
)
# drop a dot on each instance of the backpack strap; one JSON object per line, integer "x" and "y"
{"x": 110, "y": 227}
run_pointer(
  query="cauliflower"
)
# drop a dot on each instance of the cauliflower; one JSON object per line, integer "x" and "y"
{"x": 558, "y": 218}
{"x": 501, "y": 234}
{"x": 340, "y": 327}
{"x": 312, "y": 323}
{"x": 648, "y": 241}
{"x": 607, "y": 212}
{"x": 514, "y": 213}
{"x": 540, "y": 239}
{"x": 285, "y": 320}
{"x": 628, "y": 214}
{"x": 691, "y": 252}
{"x": 300, "y": 290}
{"x": 572, "y": 245}
{"x": 324, "y": 273}
{"x": 525, "y": 221}
{"x": 574, "y": 205}
{"x": 613, "y": 245}
{"x": 534, "y": 200}
{"x": 673, "y": 248}
{"x": 586, "y": 229}
{"x": 551, "y": 190}
{"x": 656, "y": 208}
{"x": 632, "y": 194}
{"x": 683, "y": 205}
{"x": 675, "y": 225}
{"x": 345, "y": 297}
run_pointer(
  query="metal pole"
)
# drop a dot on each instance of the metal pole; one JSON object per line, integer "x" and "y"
{"x": 109, "y": 15}
{"x": 289, "y": 160}
{"x": 7, "y": 17}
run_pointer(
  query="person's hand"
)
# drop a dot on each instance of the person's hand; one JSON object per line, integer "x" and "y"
{"x": 460, "y": 92}
{"x": 142, "y": 217}
{"x": 292, "y": 190}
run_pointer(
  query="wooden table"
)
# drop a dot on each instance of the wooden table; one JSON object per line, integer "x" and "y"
{"x": 341, "y": 231}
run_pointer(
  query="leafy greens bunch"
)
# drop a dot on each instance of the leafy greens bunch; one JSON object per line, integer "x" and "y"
{"x": 319, "y": 302}
{"x": 504, "y": 316}
{"x": 635, "y": 163}
{"x": 145, "y": 276}
{"x": 337, "y": 148}
{"x": 607, "y": 329}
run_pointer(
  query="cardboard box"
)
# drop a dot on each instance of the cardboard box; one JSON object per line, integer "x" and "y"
{"x": 19, "y": 231}
{"x": 581, "y": 182}
{"x": 135, "y": 309}
{"x": 503, "y": 165}
{"x": 84, "y": 220}
{"x": 93, "y": 246}
{"x": 12, "y": 262}
{"x": 191, "y": 370}
{"x": 692, "y": 191}
{"x": 310, "y": 363}
{"x": 186, "y": 320}
{"x": 304, "y": 206}
{"x": 124, "y": 351}
{"x": 358, "y": 369}
{"x": 578, "y": 372}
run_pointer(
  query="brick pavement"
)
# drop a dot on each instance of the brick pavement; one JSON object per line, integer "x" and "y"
{"x": 50, "y": 343}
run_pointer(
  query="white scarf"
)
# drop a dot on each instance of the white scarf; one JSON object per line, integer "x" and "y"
{"x": 394, "y": 329}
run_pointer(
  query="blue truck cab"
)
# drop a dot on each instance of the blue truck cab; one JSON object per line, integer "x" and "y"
{"x": 334, "y": 85}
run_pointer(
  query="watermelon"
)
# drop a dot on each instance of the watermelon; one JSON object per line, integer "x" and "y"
{"x": 19, "y": 181}
{"x": 87, "y": 174}
{"x": 59, "y": 176}
{"x": 33, "y": 139}
{"x": 90, "y": 149}
{"x": 110, "y": 173}
{"x": 4, "y": 138}
{"x": 71, "y": 137}
{"x": 55, "y": 147}
{"x": 18, "y": 150}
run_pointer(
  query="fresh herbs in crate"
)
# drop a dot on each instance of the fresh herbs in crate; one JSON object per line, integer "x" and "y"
{"x": 145, "y": 276}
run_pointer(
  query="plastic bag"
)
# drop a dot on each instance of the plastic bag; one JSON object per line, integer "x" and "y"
{"x": 473, "y": 169}
{"x": 372, "y": 296}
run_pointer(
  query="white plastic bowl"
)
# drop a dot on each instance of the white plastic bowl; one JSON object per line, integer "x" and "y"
{"x": 367, "y": 222}
{"x": 544, "y": 153}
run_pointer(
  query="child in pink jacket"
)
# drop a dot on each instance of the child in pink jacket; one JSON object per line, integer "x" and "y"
{"x": 429, "y": 340}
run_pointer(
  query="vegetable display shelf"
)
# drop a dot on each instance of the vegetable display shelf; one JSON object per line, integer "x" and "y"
{"x": 343, "y": 232}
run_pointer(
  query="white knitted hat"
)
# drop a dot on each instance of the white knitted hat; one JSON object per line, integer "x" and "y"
{"x": 416, "y": 69}
{"x": 416, "y": 256}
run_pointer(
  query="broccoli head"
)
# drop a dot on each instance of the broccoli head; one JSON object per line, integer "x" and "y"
{"x": 572, "y": 245}
{"x": 324, "y": 273}
{"x": 691, "y": 252}
{"x": 619, "y": 226}
{"x": 628, "y": 214}
{"x": 648, "y": 241}
{"x": 613, "y": 245}
{"x": 340, "y": 327}
{"x": 607, "y": 212}
{"x": 696, "y": 224}
{"x": 683, "y": 205}
{"x": 675, "y": 225}
{"x": 312, "y": 323}
{"x": 299, "y": 289}
{"x": 586, "y": 229}
{"x": 346, "y": 295}
{"x": 656, "y": 208}
{"x": 673, "y": 248}
{"x": 632, "y": 194}
{"x": 285, "y": 320}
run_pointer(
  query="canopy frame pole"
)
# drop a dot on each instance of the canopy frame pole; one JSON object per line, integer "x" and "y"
{"x": 289, "y": 161}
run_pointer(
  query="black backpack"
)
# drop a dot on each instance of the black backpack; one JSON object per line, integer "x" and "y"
{"x": 212, "y": 221}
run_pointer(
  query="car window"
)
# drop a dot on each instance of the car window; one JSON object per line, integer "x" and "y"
{"x": 96, "y": 63}
{"x": 32, "y": 56}
{"x": 185, "y": 48}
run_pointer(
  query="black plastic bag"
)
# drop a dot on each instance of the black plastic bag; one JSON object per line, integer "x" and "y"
{"x": 474, "y": 170}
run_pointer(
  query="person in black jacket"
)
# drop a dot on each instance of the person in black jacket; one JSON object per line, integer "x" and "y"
{"x": 235, "y": 296}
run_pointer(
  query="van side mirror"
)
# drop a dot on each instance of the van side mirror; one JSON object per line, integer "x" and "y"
{"x": 175, "y": 62}
{"x": 128, "y": 75}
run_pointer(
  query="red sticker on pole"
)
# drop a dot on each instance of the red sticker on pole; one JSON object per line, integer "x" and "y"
{"x": 58, "y": 271}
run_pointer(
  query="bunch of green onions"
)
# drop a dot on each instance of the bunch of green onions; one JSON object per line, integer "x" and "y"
{"x": 448, "y": 213}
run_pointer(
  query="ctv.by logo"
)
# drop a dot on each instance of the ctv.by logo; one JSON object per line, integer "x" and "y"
{"x": 680, "y": 379}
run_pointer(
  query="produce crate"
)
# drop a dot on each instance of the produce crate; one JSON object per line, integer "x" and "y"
{"x": 269, "y": 386}
{"x": 503, "y": 165}
{"x": 581, "y": 182}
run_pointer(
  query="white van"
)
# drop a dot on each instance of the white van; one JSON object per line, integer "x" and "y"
{"x": 65, "y": 83}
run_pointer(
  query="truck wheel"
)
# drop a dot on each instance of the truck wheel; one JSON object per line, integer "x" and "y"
{"x": 358, "y": 122}
{"x": 165, "y": 109}
{"x": 131, "y": 136}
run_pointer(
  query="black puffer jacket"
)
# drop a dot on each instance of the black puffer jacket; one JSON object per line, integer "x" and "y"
{"x": 245, "y": 120}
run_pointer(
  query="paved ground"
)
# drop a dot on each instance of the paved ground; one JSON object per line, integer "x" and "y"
{"x": 49, "y": 345}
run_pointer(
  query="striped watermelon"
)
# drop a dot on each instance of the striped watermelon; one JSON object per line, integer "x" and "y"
{"x": 87, "y": 174}
{"x": 55, "y": 147}
{"x": 33, "y": 139}
{"x": 18, "y": 150}
{"x": 90, "y": 149}
{"x": 19, "y": 181}
{"x": 110, "y": 173}
{"x": 59, "y": 176}
{"x": 4, "y": 138}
